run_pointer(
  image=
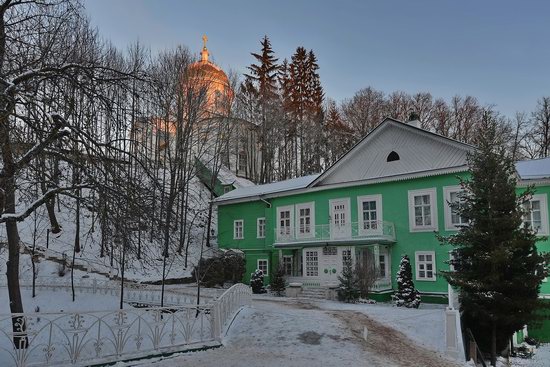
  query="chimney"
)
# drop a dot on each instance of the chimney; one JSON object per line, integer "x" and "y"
{"x": 414, "y": 120}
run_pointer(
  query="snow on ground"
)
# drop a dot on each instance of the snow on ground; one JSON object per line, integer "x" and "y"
{"x": 60, "y": 301}
{"x": 288, "y": 332}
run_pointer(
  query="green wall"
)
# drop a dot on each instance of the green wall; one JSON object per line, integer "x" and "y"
{"x": 394, "y": 207}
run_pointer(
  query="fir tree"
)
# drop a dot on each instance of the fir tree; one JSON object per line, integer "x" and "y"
{"x": 261, "y": 84}
{"x": 278, "y": 281}
{"x": 497, "y": 268}
{"x": 257, "y": 282}
{"x": 406, "y": 295}
{"x": 348, "y": 291}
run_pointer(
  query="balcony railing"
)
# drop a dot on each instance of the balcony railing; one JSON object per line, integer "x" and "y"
{"x": 375, "y": 231}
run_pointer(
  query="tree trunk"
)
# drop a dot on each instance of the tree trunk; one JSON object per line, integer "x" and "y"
{"x": 493, "y": 343}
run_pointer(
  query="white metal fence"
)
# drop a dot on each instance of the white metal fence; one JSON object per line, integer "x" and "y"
{"x": 81, "y": 339}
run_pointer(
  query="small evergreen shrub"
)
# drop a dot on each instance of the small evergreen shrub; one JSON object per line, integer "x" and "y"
{"x": 406, "y": 295}
{"x": 257, "y": 282}
{"x": 349, "y": 290}
{"x": 278, "y": 281}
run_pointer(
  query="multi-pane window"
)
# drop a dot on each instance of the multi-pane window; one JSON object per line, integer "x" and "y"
{"x": 370, "y": 220}
{"x": 238, "y": 229}
{"x": 422, "y": 210}
{"x": 285, "y": 222}
{"x": 425, "y": 265}
{"x": 382, "y": 264}
{"x": 305, "y": 220}
{"x": 261, "y": 228}
{"x": 536, "y": 215}
{"x": 312, "y": 264}
{"x": 452, "y": 198}
{"x": 370, "y": 213}
{"x": 262, "y": 265}
{"x": 533, "y": 215}
{"x": 330, "y": 250}
{"x": 287, "y": 265}
{"x": 243, "y": 158}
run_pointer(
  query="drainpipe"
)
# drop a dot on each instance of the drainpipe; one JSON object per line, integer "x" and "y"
{"x": 265, "y": 201}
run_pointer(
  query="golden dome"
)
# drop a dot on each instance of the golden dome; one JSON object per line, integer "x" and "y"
{"x": 206, "y": 74}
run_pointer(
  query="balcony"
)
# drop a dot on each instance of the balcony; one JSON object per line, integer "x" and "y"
{"x": 381, "y": 232}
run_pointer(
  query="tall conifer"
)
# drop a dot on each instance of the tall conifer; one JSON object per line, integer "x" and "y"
{"x": 497, "y": 268}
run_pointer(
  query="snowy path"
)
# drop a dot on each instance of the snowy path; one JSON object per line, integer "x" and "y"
{"x": 299, "y": 333}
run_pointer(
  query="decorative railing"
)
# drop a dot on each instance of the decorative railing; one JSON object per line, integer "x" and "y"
{"x": 378, "y": 231}
{"x": 226, "y": 306}
{"x": 89, "y": 338}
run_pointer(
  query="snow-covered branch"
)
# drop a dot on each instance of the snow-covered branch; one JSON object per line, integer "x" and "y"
{"x": 19, "y": 217}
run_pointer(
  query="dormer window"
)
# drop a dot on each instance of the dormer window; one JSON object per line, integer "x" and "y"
{"x": 393, "y": 156}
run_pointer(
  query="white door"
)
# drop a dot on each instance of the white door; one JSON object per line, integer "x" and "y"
{"x": 340, "y": 226}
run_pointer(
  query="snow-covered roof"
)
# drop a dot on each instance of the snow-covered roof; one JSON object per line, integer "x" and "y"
{"x": 271, "y": 188}
{"x": 534, "y": 169}
{"x": 227, "y": 177}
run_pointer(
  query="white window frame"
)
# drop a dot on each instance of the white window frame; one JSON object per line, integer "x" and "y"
{"x": 386, "y": 257}
{"x": 542, "y": 198}
{"x": 290, "y": 235}
{"x": 417, "y": 264}
{"x": 311, "y": 207}
{"x": 259, "y": 233}
{"x": 432, "y": 192}
{"x": 266, "y": 272}
{"x": 361, "y": 222}
{"x": 235, "y": 237}
{"x": 447, "y": 191}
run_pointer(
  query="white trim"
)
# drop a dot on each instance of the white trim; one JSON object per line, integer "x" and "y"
{"x": 542, "y": 198}
{"x": 311, "y": 207}
{"x": 290, "y": 233}
{"x": 447, "y": 191}
{"x": 266, "y": 273}
{"x": 258, "y": 227}
{"x": 235, "y": 229}
{"x": 433, "y": 210}
{"x": 348, "y": 217}
{"x": 360, "y": 222}
{"x": 417, "y": 266}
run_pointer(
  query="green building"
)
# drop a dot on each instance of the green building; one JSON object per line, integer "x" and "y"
{"x": 383, "y": 199}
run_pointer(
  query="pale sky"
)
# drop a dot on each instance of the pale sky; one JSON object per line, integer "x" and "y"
{"x": 495, "y": 50}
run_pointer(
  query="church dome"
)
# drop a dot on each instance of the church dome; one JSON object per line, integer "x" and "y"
{"x": 204, "y": 73}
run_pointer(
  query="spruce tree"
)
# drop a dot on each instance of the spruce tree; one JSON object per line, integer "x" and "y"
{"x": 278, "y": 281}
{"x": 348, "y": 291}
{"x": 406, "y": 295}
{"x": 261, "y": 84}
{"x": 497, "y": 268}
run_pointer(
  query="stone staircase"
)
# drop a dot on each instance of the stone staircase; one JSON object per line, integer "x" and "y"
{"x": 314, "y": 293}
